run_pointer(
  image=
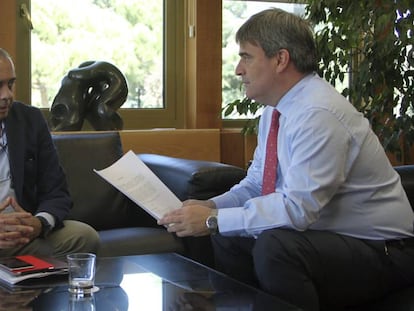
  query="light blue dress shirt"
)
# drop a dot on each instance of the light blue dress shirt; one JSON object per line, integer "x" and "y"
{"x": 333, "y": 174}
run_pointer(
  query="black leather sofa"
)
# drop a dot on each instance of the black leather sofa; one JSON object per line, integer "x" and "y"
{"x": 124, "y": 228}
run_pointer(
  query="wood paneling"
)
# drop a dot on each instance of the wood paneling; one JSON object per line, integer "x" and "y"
{"x": 226, "y": 146}
{"x": 15, "y": 38}
{"x": 8, "y": 27}
{"x": 189, "y": 144}
{"x": 232, "y": 147}
{"x": 203, "y": 63}
{"x": 236, "y": 148}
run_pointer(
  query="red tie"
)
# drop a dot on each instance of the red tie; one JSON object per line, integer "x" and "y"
{"x": 270, "y": 168}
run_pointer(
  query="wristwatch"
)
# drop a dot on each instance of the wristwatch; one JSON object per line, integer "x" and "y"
{"x": 211, "y": 221}
{"x": 46, "y": 227}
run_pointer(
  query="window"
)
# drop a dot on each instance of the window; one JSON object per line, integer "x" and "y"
{"x": 132, "y": 35}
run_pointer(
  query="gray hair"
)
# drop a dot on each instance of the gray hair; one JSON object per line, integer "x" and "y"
{"x": 274, "y": 29}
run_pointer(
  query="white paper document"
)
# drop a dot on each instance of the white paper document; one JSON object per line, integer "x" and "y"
{"x": 12, "y": 279}
{"x": 134, "y": 179}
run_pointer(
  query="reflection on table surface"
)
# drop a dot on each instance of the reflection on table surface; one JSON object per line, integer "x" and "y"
{"x": 159, "y": 282}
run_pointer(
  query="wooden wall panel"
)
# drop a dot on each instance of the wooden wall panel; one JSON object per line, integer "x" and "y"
{"x": 203, "y": 64}
{"x": 189, "y": 144}
{"x": 226, "y": 146}
{"x": 8, "y": 27}
{"x": 232, "y": 147}
{"x": 236, "y": 148}
{"x": 15, "y": 38}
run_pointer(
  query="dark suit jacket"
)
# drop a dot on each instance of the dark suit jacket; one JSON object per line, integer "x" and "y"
{"x": 37, "y": 177}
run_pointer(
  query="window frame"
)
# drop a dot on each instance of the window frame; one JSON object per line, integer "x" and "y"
{"x": 171, "y": 116}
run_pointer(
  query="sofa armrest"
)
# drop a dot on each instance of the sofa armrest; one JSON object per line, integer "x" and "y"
{"x": 193, "y": 179}
{"x": 96, "y": 202}
{"x": 407, "y": 179}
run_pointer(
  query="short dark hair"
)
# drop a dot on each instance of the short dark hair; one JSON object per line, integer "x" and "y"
{"x": 274, "y": 29}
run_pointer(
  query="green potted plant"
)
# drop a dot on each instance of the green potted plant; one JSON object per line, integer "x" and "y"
{"x": 244, "y": 107}
{"x": 371, "y": 44}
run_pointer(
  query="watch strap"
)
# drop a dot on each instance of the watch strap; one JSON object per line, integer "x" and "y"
{"x": 46, "y": 226}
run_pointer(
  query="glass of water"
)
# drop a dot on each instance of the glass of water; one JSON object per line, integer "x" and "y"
{"x": 81, "y": 273}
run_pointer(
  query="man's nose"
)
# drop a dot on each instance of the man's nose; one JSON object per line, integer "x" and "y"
{"x": 238, "y": 70}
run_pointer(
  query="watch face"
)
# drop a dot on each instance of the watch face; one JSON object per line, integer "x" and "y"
{"x": 212, "y": 222}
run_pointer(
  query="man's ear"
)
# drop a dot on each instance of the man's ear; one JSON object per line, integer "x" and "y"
{"x": 282, "y": 59}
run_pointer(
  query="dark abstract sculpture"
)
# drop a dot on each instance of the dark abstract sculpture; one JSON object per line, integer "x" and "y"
{"x": 93, "y": 91}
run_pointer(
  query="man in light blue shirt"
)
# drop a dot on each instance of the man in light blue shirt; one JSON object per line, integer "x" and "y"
{"x": 325, "y": 237}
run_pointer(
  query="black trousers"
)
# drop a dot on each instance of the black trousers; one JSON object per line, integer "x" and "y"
{"x": 317, "y": 270}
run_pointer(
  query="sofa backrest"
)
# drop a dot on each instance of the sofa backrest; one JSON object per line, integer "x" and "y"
{"x": 407, "y": 179}
{"x": 193, "y": 179}
{"x": 99, "y": 204}
{"x": 96, "y": 202}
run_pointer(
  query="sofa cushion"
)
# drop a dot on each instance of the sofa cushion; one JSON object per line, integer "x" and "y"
{"x": 96, "y": 202}
{"x": 193, "y": 179}
{"x": 136, "y": 241}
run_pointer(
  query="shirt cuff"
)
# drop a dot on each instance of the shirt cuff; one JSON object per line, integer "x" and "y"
{"x": 50, "y": 219}
{"x": 230, "y": 221}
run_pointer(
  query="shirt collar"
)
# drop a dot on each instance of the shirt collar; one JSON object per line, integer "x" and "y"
{"x": 284, "y": 104}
